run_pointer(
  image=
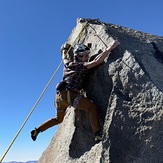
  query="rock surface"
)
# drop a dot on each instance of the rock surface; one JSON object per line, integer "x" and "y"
{"x": 128, "y": 89}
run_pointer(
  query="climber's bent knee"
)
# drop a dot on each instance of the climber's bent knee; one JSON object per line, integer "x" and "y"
{"x": 60, "y": 115}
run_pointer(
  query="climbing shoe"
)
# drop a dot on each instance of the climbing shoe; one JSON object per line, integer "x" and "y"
{"x": 98, "y": 136}
{"x": 34, "y": 134}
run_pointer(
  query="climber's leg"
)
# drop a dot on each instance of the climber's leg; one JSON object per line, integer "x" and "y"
{"x": 88, "y": 106}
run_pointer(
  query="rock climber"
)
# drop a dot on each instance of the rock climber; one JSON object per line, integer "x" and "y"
{"x": 68, "y": 90}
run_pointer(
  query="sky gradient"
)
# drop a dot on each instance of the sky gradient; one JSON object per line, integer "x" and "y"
{"x": 31, "y": 33}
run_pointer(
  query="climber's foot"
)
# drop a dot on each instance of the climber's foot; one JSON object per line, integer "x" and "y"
{"x": 98, "y": 136}
{"x": 34, "y": 134}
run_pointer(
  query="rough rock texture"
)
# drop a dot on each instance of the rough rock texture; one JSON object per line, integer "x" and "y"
{"x": 128, "y": 91}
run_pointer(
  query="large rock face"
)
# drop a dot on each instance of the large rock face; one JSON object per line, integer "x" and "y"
{"x": 128, "y": 91}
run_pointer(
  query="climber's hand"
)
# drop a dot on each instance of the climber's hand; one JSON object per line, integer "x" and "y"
{"x": 64, "y": 48}
{"x": 114, "y": 45}
{"x": 64, "y": 51}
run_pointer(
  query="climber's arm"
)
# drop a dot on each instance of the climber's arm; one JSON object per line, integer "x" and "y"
{"x": 101, "y": 57}
{"x": 65, "y": 56}
{"x": 64, "y": 51}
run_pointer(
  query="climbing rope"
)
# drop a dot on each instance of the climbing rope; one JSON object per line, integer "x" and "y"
{"x": 33, "y": 108}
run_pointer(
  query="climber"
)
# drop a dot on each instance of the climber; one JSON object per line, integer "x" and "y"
{"x": 68, "y": 90}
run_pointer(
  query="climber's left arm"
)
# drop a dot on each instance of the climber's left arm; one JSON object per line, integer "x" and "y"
{"x": 101, "y": 57}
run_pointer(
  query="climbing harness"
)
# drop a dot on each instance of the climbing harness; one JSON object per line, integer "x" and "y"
{"x": 33, "y": 108}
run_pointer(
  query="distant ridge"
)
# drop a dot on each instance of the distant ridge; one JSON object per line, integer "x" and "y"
{"x": 21, "y": 162}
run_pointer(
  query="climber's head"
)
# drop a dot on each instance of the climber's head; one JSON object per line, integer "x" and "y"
{"x": 81, "y": 52}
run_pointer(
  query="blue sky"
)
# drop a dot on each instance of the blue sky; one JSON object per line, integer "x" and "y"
{"x": 31, "y": 33}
